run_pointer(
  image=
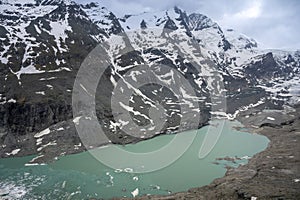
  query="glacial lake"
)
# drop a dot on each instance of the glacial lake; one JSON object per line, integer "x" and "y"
{"x": 82, "y": 176}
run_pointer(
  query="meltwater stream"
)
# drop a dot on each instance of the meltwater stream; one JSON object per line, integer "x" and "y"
{"x": 81, "y": 176}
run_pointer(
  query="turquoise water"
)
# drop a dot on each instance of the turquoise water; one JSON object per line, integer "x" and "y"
{"x": 81, "y": 176}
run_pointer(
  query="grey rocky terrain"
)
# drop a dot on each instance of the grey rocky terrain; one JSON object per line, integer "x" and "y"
{"x": 44, "y": 43}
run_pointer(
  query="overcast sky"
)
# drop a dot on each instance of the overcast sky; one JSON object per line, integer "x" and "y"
{"x": 272, "y": 23}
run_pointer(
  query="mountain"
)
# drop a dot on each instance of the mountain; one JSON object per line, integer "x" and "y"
{"x": 44, "y": 43}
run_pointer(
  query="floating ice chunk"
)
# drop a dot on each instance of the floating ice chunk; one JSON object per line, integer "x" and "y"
{"x": 63, "y": 184}
{"x": 31, "y": 164}
{"x": 118, "y": 170}
{"x": 296, "y": 180}
{"x": 128, "y": 170}
{"x": 111, "y": 178}
{"x": 155, "y": 187}
{"x": 135, "y": 192}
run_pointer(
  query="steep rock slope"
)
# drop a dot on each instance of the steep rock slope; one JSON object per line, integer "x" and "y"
{"x": 43, "y": 44}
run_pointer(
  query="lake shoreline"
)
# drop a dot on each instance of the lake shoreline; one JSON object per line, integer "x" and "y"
{"x": 270, "y": 174}
{"x": 98, "y": 180}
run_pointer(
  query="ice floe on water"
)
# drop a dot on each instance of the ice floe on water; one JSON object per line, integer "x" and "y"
{"x": 63, "y": 185}
{"x": 111, "y": 182}
{"x": 128, "y": 170}
{"x": 135, "y": 192}
{"x": 118, "y": 170}
{"x": 156, "y": 187}
{"x": 33, "y": 164}
{"x": 111, "y": 178}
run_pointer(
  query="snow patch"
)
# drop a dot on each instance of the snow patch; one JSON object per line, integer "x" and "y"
{"x": 39, "y": 141}
{"x": 12, "y": 101}
{"x": 76, "y": 120}
{"x": 14, "y": 152}
{"x": 40, "y": 92}
{"x": 46, "y": 145}
{"x": 42, "y": 133}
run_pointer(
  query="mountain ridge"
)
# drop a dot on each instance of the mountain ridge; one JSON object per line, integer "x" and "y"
{"x": 44, "y": 44}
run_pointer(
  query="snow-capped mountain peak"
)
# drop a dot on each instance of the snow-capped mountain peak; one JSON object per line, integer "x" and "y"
{"x": 44, "y": 42}
{"x": 199, "y": 21}
{"x": 37, "y": 2}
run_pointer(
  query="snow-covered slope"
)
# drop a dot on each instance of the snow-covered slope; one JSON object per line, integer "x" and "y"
{"x": 231, "y": 51}
{"x": 44, "y": 42}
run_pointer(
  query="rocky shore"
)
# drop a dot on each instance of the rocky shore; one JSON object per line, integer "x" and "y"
{"x": 271, "y": 174}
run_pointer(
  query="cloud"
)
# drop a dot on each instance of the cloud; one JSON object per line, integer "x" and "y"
{"x": 273, "y": 23}
{"x": 253, "y": 11}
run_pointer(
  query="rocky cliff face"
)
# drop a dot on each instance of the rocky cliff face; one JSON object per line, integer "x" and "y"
{"x": 43, "y": 44}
